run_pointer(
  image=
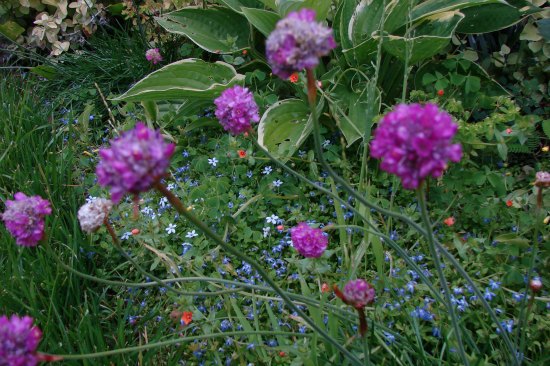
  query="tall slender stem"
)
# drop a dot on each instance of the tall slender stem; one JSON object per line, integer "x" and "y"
{"x": 178, "y": 205}
{"x": 442, "y": 279}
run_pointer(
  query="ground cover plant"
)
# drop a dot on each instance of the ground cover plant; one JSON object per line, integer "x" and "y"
{"x": 301, "y": 182}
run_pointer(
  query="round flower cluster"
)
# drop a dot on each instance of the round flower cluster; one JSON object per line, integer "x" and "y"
{"x": 24, "y": 218}
{"x": 414, "y": 142}
{"x": 92, "y": 214}
{"x": 235, "y": 108}
{"x": 358, "y": 293}
{"x": 308, "y": 241}
{"x": 542, "y": 179}
{"x": 297, "y": 43}
{"x": 134, "y": 162}
{"x": 153, "y": 55}
{"x": 18, "y": 341}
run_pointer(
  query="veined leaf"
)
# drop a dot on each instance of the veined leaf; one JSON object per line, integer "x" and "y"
{"x": 426, "y": 39}
{"x": 263, "y": 20}
{"x": 190, "y": 78}
{"x": 284, "y": 127}
{"x": 216, "y": 30}
{"x": 237, "y": 5}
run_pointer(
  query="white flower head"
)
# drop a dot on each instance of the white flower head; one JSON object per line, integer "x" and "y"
{"x": 92, "y": 214}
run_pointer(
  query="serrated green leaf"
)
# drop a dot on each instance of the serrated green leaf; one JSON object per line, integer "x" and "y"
{"x": 217, "y": 30}
{"x": 190, "y": 78}
{"x": 546, "y": 127}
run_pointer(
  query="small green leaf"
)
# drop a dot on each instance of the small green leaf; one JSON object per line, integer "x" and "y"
{"x": 11, "y": 30}
{"x": 513, "y": 239}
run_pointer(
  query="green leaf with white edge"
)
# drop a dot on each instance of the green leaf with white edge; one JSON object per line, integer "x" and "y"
{"x": 284, "y": 127}
{"x": 190, "y": 78}
{"x": 321, "y": 7}
{"x": 263, "y": 20}
{"x": 217, "y": 30}
{"x": 493, "y": 17}
{"x": 11, "y": 30}
{"x": 237, "y": 5}
{"x": 513, "y": 239}
{"x": 427, "y": 38}
{"x": 433, "y": 7}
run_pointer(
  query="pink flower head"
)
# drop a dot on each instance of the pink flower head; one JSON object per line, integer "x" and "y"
{"x": 235, "y": 108}
{"x": 24, "y": 218}
{"x": 297, "y": 43}
{"x": 153, "y": 56}
{"x": 18, "y": 341}
{"x": 414, "y": 142}
{"x": 135, "y": 161}
{"x": 357, "y": 293}
{"x": 309, "y": 242}
{"x": 542, "y": 179}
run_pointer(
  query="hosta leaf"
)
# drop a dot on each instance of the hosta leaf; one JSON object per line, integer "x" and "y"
{"x": 190, "y": 78}
{"x": 263, "y": 20}
{"x": 426, "y": 39}
{"x": 284, "y": 127}
{"x": 216, "y": 30}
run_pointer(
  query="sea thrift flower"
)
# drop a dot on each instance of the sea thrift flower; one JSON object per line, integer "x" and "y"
{"x": 542, "y": 179}
{"x": 357, "y": 293}
{"x": 297, "y": 43}
{"x": 535, "y": 284}
{"x": 309, "y": 242}
{"x": 236, "y": 108}
{"x": 24, "y": 218}
{"x": 18, "y": 341}
{"x": 135, "y": 161}
{"x": 153, "y": 56}
{"x": 92, "y": 214}
{"x": 414, "y": 142}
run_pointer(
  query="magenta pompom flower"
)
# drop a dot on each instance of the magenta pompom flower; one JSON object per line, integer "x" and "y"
{"x": 542, "y": 179}
{"x": 358, "y": 293}
{"x": 135, "y": 161}
{"x": 153, "y": 55}
{"x": 235, "y": 109}
{"x": 297, "y": 43}
{"x": 24, "y": 218}
{"x": 415, "y": 142}
{"x": 18, "y": 341}
{"x": 308, "y": 241}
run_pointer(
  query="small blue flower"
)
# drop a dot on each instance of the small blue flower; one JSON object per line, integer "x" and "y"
{"x": 267, "y": 170}
{"x": 494, "y": 285}
{"x": 390, "y": 338}
{"x": 488, "y": 294}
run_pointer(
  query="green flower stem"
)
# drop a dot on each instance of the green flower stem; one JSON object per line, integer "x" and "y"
{"x": 178, "y": 205}
{"x": 345, "y": 185}
{"x": 526, "y": 308}
{"x": 441, "y": 275}
{"x": 175, "y": 342}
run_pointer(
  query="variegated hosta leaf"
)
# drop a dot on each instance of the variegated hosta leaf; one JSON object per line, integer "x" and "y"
{"x": 284, "y": 127}
{"x": 190, "y": 78}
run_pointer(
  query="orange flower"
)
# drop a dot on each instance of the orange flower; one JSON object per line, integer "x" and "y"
{"x": 508, "y": 131}
{"x": 282, "y": 353}
{"x": 280, "y": 227}
{"x": 245, "y": 52}
{"x": 509, "y": 203}
{"x": 449, "y": 221}
{"x": 325, "y": 288}
{"x": 135, "y": 231}
{"x": 242, "y": 153}
{"x": 293, "y": 78}
{"x": 440, "y": 92}
{"x": 186, "y": 317}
